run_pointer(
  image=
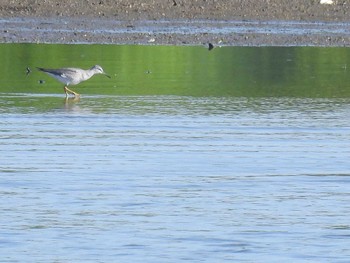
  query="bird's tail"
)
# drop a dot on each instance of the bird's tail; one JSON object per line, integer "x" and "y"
{"x": 41, "y": 69}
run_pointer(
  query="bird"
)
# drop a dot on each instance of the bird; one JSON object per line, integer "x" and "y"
{"x": 73, "y": 76}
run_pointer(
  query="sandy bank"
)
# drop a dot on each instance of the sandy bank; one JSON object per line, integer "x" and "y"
{"x": 195, "y": 22}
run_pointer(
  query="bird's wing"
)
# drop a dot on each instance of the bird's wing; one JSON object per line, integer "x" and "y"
{"x": 63, "y": 72}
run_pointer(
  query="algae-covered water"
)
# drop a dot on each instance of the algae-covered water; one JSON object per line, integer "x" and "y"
{"x": 184, "y": 155}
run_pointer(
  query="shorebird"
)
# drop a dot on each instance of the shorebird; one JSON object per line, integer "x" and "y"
{"x": 73, "y": 76}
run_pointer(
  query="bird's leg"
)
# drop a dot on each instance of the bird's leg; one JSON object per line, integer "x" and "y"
{"x": 67, "y": 91}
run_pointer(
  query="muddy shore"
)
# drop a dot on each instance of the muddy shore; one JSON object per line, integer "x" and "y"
{"x": 179, "y": 22}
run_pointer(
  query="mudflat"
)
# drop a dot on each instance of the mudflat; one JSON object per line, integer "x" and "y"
{"x": 180, "y": 22}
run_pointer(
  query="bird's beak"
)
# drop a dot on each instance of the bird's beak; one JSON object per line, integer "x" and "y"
{"x": 108, "y": 76}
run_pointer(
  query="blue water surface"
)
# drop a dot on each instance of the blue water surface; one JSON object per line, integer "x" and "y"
{"x": 174, "y": 179}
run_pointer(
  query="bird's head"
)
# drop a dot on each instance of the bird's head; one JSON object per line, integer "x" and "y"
{"x": 99, "y": 70}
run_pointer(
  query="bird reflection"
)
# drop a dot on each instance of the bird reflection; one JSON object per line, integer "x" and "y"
{"x": 70, "y": 103}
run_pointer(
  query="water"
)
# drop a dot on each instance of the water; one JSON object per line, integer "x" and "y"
{"x": 154, "y": 171}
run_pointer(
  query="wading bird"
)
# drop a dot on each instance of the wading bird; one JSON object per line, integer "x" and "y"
{"x": 73, "y": 76}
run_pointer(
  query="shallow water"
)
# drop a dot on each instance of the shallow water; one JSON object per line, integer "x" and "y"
{"x": 175, "y": 177}
{"x": 180, "y": 32}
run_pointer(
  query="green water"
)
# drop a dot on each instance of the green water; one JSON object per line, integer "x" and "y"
{"x": 184, "y": 155}
{"x": 182, "y": 70}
